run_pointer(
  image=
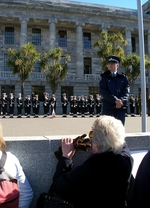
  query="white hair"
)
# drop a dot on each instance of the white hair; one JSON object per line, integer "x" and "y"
{"x": 108, "y": 134}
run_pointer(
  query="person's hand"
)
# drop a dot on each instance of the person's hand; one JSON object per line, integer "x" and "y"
{"x": 67, "y": 146}
{"x": 118, "y": 103}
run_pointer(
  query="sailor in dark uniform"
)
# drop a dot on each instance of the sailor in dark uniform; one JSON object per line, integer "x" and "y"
{"x": 71, "y": 105}
{"x": 4, "y": 104}
{"x": 27, "y": 104}
{"x": 75, "y": 106}
{"x": 132, "y": 105}
{"x": 83, "y": 106}
{"x": 98, "y": 104}
{"x": 19, "y": 105}
{"x": 91, "y": 103}
{"x": 52, "y": 104}
{"x": 64, "y": 101}
{"x": 114, "y": 88}
{"x": 46, "y": 104}
{"x": 11, "y": 103}
{"x": 36, "y": 106}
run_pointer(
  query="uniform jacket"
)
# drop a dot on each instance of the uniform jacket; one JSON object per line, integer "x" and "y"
{"x": 64, "y": 101}
{"x": 112, "y": 87}
{"x": 101, "y": 181}
{"x": 19, "y": 102}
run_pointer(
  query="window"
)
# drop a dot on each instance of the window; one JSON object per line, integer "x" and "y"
{"x": 87, "y": 66}
{"x": 6, "y": 68}
{"x": 36, "y": 68}
{"x": 62, "y": 38}
{"x": 36, "y": 37}
{"x": 9, "y": 35}
{"x": 133, "y": 44}
{"x": 38, "y": 90}
{"x": 87, "y": 40}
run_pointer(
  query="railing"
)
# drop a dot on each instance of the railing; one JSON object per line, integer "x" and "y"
{"x": 92, "y": 77}
{"x": 138, "y": 80}
{"x": 70, "y": 76}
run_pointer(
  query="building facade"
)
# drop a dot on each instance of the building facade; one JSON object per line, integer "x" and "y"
{"x": 73, "y": 26}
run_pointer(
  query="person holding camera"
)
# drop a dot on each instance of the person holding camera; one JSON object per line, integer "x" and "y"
{"x": 103, "y": 179}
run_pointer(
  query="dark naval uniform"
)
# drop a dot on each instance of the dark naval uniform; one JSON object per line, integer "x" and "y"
{"x": 112, "y": 87}
{"x": 64, "y": 101}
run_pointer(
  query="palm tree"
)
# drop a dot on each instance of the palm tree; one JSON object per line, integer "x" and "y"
{"x": 54, "y": 65}
{"x": 131, "y": 64}
{"x": 22, "y": 62}
{"x": 109, "y": 44}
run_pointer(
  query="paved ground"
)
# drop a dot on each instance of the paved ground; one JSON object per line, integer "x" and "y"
{"x": 15, "y": 127}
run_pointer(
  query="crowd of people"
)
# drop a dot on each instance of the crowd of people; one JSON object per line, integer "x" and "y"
{"x": 74, "y": 105}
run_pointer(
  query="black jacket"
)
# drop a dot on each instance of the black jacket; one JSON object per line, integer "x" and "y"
{"x": 141, "y": 193}
{"x": 101, "y": 181}
{"x": 111, "y": 87}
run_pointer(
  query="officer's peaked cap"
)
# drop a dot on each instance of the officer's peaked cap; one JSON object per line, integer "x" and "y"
{"x": 114, "y": 59}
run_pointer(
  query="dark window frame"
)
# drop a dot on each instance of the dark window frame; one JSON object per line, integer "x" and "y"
{"x": 62, "y": 38}
{"x": 133, "y": 40}
{"x": 86, "y": 40}
{"x": 87, "y": 65}
{"x": 9, "y": 35}
{"x": 36, "y": 36}
{"x": 6, "y": 68}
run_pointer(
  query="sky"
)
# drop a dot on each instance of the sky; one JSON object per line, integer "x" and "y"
{"x": 129, "y": 4}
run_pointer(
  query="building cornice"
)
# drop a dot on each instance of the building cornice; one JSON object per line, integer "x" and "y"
{"x": 62, "y": 10}
{"x": 70, "y": 7}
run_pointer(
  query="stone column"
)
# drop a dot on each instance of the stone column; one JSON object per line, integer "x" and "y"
{"x": 79, "y": 51}
{"x": 52, "y": 33}
{"x": 23, "y": 35}
{"x": 128, "y": 39}
{"x": 148, "y": 42}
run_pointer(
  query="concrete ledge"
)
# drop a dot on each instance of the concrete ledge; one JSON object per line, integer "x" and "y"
{"x": 36, "y": 155}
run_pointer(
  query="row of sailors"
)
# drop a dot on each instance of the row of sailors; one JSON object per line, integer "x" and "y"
{"x": 82, "y": 105}
{"x": 6, "y": 102}
{"x": 78, "y": 105}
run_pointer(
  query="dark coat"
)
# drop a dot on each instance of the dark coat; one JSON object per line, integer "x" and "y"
{"x": 101, "y": 181}
{"x": 111, "y": 87}
{"x": 141, "y": 193}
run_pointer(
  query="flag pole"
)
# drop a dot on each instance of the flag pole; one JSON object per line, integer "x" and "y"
{"x": 142, "y": 65}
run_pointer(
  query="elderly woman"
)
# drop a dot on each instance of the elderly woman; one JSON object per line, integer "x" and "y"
{"x": 102, "y": 180}
{"x": 13, "y": 168}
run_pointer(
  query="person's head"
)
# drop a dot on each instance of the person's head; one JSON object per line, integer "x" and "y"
{"x": 2, "y": 142}
{"x": 113, "y": 63}
{"x": 108, "y": 134}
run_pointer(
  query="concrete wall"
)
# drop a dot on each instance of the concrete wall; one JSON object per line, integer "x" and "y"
{"x": 36, "y": 155}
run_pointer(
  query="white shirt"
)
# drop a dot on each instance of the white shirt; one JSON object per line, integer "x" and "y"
{"x": 13, "y": 167}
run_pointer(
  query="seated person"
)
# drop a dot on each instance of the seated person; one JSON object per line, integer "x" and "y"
{"x": 103, "y": 179}
{"x": 12, "y": 166}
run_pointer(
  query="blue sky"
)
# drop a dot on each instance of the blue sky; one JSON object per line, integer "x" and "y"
{"x": 131, "y": 4}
